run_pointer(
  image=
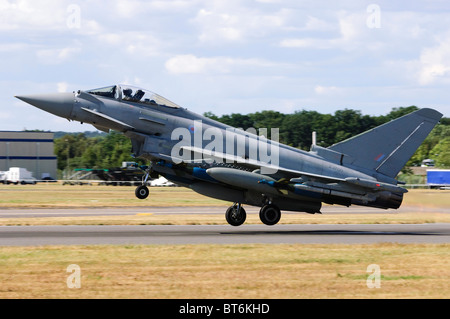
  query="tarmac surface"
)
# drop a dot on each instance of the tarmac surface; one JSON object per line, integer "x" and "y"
{"x": 211, "y": 234}
{"x": 223, "y": 234}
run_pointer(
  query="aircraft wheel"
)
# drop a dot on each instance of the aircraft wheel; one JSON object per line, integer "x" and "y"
{"x": 270, "y": 214}
{"x": 142, "y": 192}
{"x": 235, "y": 217}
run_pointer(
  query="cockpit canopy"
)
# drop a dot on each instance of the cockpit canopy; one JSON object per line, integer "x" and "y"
{"x": 133, "y": 94}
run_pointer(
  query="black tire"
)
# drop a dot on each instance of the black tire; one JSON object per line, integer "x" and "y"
{"x": 142, "y": 192}
{"x": 270, "y": 214}
{"x": 235, "y": 218}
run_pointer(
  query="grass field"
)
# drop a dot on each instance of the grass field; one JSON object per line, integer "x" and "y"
{"x": 54, "y": 195}
{"x": 216, "y": 271}
{"x": 226, "y": 271}
{"x": 219, "y": 219}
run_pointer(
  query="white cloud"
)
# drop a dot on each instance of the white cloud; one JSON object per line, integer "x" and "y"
{"x": 308, "y": 43}
{"x": 229, "y": 22}
{"x": 27, "y": 14}
{"x": 350, "y": 26}
{"x": 13, "y": 47}
{"x": 88, "y": 28}
{"x": 435, "y": 63}
{"x": 348, "y": 30}
{"x": 143, "y": 45}
{"x": 132, "y": 8}
{"x": 428, "y": 66}
{"x": 112, "y": 38}
{"x": 127, "y": 9}
{"x": 191, "y": 64}
{"x": 324, "y": 90}
{"x": 133, "y": 42}
{"x": 316, "y": 24}
{"x": 56, "y": 56}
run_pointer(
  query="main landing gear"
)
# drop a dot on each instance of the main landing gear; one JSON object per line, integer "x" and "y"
{"x": 269, "y": 214}
{"x": 235, "y": 215}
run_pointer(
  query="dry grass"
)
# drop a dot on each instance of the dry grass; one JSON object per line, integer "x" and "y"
{"x": 224, "y": 271}
{"x": 215, "y": 271}
{"x": 219, "y": 219}
{"x": 427, "y": 198}
{"x": 55, "y": 195}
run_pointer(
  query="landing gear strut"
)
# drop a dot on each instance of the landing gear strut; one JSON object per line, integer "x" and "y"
{"x": 270, "y": 214}
{"x": 142, "y": 191}
{"x": 235, "y": 215}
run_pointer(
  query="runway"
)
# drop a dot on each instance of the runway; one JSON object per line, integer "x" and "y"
{"x": 223, "y": 234}
{"x": 213, "y": 234}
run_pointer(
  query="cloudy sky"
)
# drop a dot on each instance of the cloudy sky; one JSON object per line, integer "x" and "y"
{"x": 227, "y": 56}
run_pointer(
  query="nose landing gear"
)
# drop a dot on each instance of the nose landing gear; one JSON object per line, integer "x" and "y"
{"x": 142, "y": 191}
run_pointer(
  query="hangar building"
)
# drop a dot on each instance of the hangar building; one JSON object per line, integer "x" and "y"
{"x": 31, "y": 150}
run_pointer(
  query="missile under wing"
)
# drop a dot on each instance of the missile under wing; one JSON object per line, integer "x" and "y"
{"x": 243, "y": 167}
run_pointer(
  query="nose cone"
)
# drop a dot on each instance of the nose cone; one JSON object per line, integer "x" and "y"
{"x": 60, "y": 104}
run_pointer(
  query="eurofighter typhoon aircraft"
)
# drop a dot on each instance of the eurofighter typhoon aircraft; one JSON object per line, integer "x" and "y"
{"x": 242, "y": 167}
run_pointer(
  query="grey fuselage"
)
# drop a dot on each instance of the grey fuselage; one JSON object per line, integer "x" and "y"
{"x": 240, "y": 166}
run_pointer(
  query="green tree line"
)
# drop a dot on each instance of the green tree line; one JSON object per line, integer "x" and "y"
{"x": 103, "y": 151}
{"x": 110, "y": 150}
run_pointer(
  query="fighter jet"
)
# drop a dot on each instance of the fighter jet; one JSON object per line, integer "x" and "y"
{"x": 244, "y": 167}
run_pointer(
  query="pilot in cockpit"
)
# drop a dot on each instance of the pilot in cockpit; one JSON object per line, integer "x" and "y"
{"x": 127, "y": 94}
{"x": 138, "y": 95}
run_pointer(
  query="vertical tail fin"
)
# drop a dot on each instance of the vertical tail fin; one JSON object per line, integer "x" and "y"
{"x": 386, "y": 148}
